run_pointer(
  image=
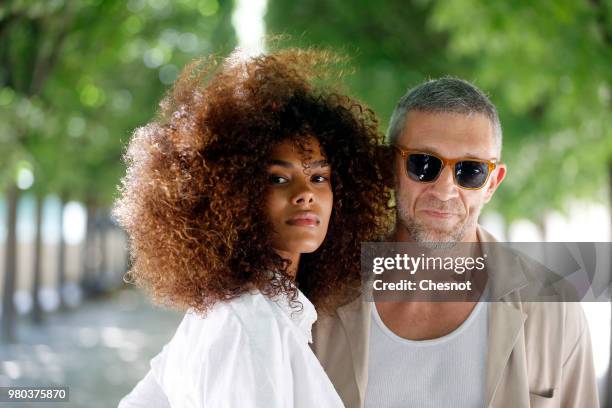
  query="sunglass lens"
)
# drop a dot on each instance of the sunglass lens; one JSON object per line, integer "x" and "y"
{"x": 471, "y": 174}
{"x": 423, "y": 167}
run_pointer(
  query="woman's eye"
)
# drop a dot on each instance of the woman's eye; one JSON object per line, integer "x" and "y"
{"x": 277, "y": 179}
{"x": 319, "y": 179}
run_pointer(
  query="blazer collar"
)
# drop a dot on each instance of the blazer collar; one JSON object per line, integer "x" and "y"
{"x": 503, "y": 266}
{"x": 506, "y": 319}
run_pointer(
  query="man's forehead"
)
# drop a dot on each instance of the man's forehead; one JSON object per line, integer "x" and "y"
{"x": 450, "y": 134}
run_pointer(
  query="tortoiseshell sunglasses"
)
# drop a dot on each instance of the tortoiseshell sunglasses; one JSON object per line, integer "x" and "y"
{"x": 424, "y": 167}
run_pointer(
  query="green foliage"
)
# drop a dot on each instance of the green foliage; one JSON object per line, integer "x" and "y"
{"x": 391, "y": 44}
{"x": 76, "y": 77}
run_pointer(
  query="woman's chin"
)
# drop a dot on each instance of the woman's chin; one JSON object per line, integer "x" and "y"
{"x": 300, "y": 247}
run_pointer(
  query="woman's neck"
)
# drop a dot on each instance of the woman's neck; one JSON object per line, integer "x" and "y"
{"x": 294, "y": 258}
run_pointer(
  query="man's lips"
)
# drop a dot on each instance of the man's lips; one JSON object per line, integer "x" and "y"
{"x": 304, "y": 220}
{"x": 438, "y": 214}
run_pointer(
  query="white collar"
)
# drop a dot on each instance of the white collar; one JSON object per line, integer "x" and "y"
{"x": 304, "y": 318}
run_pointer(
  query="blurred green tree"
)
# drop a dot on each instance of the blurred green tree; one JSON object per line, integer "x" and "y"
{"x": 76, "y": 77}
{"x": 391, "y": 46}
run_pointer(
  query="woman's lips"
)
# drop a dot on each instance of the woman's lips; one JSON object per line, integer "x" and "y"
{"x": 304, "y": 220}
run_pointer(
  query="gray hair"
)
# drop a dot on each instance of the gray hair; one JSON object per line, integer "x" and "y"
{"x": 444, "y": 95}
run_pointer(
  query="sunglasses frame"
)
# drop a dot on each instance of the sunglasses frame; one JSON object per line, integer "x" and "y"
{"x": 491, "y": 165}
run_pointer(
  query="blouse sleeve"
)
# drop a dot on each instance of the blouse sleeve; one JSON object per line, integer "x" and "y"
{"x": 146, "y": 394}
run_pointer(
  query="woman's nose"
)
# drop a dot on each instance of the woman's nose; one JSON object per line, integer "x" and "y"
{"x": 303, "y": 195}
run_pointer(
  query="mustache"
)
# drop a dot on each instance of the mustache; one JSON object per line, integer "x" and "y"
{"x": 451, "y": 206}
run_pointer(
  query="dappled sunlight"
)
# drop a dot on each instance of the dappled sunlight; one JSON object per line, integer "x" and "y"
{"x": 102, "y": 348}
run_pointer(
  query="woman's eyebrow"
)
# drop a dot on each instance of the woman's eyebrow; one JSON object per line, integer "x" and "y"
{"x": 283, "y": 163}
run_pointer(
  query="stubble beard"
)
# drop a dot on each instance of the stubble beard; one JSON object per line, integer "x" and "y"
{"x": 429, "y": 236}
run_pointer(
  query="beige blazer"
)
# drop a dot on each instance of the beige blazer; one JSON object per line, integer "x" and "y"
{"x": 539, "y": 353}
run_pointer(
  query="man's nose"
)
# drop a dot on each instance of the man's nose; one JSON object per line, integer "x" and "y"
{"x": 444, "y": 188}
{"x": 303, "y": 194}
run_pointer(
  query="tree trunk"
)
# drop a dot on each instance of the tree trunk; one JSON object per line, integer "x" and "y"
{"x": 543, "y": 232}
{"x": 10, "y": 268}
{"x": 89, "y": 281}
{"x": 127, "y": 256}
{"x": 102, "y": 226}
{"x": 37, "y": 315}
{"x": 61, "y": 255}
{"x": 507, "y": 230}
{"x": 609, "y": 387}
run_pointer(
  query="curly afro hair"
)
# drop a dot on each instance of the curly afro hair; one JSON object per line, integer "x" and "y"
{"x": 191, "y": 197}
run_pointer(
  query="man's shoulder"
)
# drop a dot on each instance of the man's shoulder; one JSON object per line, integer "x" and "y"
{"x": 564, "y": 315}
{"x": 352, "y": 318}
{"x": 544, "y": 284}
{"x": 515, "y": 268}
{"x": 352, "y": 309}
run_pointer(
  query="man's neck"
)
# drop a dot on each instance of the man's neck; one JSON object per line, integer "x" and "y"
{"x": 401, "y": 234}
{"x": 425, "y": 320}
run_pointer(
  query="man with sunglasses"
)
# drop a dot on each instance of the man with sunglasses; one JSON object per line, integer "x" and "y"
{"x": 502, "y": 352}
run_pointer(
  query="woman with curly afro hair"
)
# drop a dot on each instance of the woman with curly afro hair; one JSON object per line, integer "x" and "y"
{"x": 246, "y": 202}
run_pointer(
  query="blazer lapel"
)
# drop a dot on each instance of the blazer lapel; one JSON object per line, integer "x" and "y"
{"x": 505, "y": 333}
{"x": 506, "y": 323}
{"x": 355, "y": 318}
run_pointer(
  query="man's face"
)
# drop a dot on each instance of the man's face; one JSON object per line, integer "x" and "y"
{"x": 441, "y": 211}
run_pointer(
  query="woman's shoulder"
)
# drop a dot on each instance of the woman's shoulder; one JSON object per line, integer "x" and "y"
{"x": 207, "y": 342}
{"x": 247, "y": 310}
{"x": 228, "y": 321}
{"x": 250, "y": 319}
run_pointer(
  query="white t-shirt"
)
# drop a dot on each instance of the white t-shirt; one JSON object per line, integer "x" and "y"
{"x": 249, "y": 352}
{"x": 445, "y": 372}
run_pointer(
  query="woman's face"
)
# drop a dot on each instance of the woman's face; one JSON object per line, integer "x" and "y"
{"x": 299, "y": 197}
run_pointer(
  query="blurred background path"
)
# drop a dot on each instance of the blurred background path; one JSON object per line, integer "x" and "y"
{"x": 100, "y": 350}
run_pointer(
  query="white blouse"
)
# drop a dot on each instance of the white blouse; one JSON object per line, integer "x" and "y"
{"x": 249, "y": 352}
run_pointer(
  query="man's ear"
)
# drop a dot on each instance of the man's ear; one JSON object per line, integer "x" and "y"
{"x": 496, "y": 178}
